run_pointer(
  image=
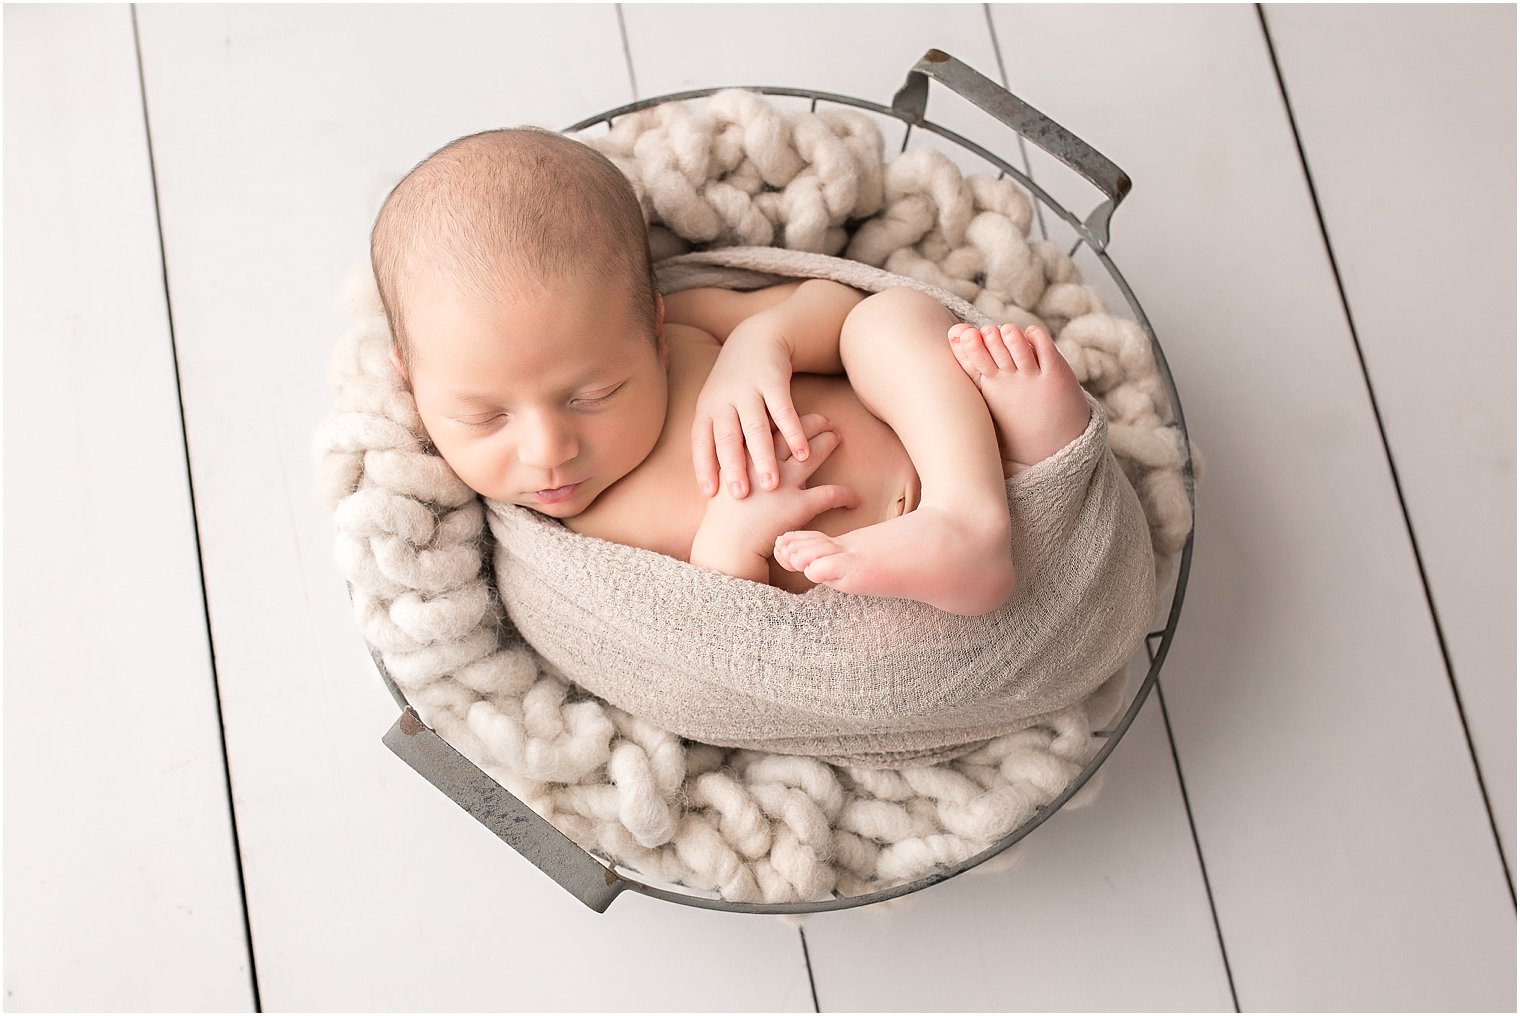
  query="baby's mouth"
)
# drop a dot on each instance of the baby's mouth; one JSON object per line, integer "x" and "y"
{"x": 554, "y": 495}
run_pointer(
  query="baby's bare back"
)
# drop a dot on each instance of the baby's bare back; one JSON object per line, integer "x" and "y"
{"x": 658, "y": 506}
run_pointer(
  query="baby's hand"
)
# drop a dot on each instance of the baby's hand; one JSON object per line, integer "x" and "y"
{"x": 750, "y": 385}
{"x": 737, "y": 535}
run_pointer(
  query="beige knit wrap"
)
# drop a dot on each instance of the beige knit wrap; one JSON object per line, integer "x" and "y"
{"x": 753, "y": 825}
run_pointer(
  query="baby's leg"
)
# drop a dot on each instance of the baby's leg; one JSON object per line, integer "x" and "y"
{"x": 953, "y": 550}
{"x": 1036, "y": 403}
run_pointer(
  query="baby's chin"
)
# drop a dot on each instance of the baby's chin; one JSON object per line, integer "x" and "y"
{"x": 554, "y": 511}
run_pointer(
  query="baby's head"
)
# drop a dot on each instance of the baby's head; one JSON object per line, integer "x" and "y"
{"x": 515, "y": 273}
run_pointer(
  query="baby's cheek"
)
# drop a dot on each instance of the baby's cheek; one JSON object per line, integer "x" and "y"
{"x": 466, "y": 463}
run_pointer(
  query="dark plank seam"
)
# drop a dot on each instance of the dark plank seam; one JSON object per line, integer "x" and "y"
{"x": 237, "y": 850}
{"x": 633, "y": 83}
{"x": 1203, "y": 869}
{"x": 807, "y": 961}
{"x": 1414, "y": 543}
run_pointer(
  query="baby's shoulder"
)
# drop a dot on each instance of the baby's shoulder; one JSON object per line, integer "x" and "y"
{"x": 693, "y": 352}
{"x": 690, "y": 335}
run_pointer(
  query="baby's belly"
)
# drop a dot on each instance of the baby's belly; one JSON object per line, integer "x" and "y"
{"x": 659, "y": 508}
{"x": 870, "y": 460}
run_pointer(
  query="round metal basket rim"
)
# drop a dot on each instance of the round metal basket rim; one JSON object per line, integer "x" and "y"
{"x": 1158, "y": 652}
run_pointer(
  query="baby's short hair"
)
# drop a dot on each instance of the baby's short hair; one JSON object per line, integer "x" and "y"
{"x": 522, "y": 203}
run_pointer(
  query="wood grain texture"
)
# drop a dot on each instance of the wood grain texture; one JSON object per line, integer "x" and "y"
{"x": 121, "y": 884}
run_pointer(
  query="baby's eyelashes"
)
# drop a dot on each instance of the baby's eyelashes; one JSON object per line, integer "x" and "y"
{"x": 489, "y": 421}
{"x": 595, "y": 398}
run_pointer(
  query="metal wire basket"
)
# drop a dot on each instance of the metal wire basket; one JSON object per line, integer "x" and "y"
{"x": 595, "y": 881}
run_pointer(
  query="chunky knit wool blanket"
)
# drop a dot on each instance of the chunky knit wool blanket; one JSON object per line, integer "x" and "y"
{"x": 754, "y": 826}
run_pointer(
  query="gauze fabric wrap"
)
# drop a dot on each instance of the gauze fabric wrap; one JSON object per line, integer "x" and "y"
{"x": 863, "y": 681}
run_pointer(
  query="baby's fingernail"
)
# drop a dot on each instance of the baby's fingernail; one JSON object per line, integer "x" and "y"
{"x": 802, "y": 453}
{"x": 767, "y": 480}
{"x": 736, "y": 489}
{"x": 707, "y": 488}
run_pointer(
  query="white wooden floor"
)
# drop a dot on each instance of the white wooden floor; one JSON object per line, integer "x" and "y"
{"x": 199, "y": 814}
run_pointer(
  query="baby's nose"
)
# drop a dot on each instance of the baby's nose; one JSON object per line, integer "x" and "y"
{"x": 548, "y": 444}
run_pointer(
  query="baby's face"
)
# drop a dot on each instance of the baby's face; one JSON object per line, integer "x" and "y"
{"x": 545, "y": 398}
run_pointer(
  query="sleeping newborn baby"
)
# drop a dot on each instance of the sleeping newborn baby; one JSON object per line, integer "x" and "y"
{"x": 799, "y": 434}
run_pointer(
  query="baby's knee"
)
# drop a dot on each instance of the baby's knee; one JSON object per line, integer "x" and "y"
{"x": 901, "y": 306}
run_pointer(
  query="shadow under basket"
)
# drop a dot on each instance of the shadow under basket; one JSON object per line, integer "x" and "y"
{"x": 597, "y": 881}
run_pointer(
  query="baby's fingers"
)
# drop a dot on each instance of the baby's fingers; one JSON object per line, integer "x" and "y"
{"x": 811, "y": 425}
{"x": 728, "y": 438}
{"x": 704, "y": 455}
{"x": 757, "y": 438}
{"x": 824, "y": 442}
{"x": 779, "y": 402}
{"x": 828, "y": 497}
{"x": 814, "y": 424}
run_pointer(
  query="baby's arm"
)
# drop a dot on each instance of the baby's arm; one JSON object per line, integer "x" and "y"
{"x": 765, "y": 339}
{"x": 717, "y": 311}
{"x": 738, "y": 536}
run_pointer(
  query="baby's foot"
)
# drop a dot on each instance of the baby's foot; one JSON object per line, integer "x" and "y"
{"x": 952, "y": 562}
{"x": 1036, "y": 402}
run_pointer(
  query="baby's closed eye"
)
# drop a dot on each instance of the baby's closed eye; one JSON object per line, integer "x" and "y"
{"x": 598, "y": 397}
{"x": 487, "y": 422}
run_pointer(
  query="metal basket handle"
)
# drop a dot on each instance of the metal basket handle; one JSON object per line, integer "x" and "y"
{"x": 523, "y": 829}
{"x": 1011, "y": 111}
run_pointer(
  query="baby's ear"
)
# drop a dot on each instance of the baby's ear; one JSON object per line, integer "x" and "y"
{"x": 396, "y": 362}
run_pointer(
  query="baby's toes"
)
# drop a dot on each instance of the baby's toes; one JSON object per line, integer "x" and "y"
{"x": 796, "y": 550}
{"x": 992, "y": 338}
{"x": 1019, "y": 349}
{"x": 832, "y": 566}
{"x": 782, "y": 551}
{"x": 1045, "y": 349}
{"x": 971, "y": 352}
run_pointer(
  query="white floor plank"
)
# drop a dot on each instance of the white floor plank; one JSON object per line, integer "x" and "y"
{"x": 680, "y": 46}
{"x": 974, "y": 943}
{"x": 278, "y": 131}
{"x": 121, "y": 884}
{"x": 1415, "y": 171}
{"x": 1343, "y": 833}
